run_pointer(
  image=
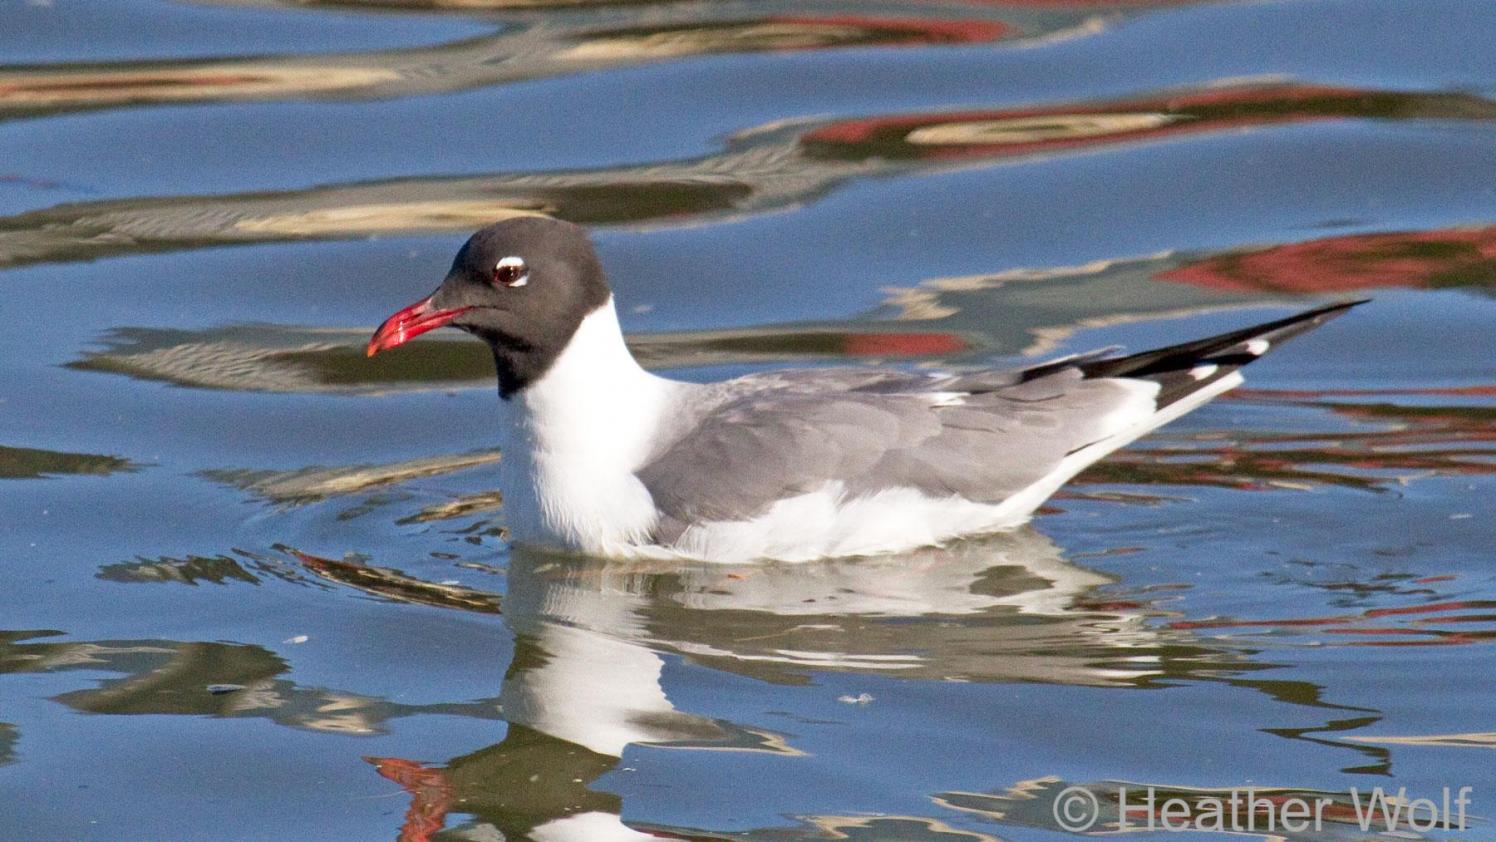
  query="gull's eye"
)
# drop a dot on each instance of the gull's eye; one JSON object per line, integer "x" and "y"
{"x": 511, "y": 272}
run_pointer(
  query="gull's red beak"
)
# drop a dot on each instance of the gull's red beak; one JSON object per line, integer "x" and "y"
{"x": 410, "y": 323}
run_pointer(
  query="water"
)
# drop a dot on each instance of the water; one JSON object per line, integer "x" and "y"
{"x": 254, "y": 585}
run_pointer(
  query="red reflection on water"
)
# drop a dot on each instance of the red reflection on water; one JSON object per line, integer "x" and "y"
{"x": 1418, "y": 632}
{"x": 1448, "y": 257}
{"x": 1004, "y": 132}
{"x": 430, "y": 795}
{"x": 901, "y": 344}
{"x": 1390, "y": 443}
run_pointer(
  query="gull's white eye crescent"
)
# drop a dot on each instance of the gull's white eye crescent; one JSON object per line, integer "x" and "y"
{"x": 511, "y": 272}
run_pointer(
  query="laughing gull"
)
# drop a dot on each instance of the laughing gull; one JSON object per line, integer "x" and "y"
{"x": 604, "y": 458}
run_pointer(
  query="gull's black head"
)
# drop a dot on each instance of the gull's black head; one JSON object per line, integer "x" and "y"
{"x": 523, "y": 285}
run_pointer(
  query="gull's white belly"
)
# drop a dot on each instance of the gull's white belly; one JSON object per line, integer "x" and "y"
{"x": 612, "y": 517}
{"x": 825, "y": 523}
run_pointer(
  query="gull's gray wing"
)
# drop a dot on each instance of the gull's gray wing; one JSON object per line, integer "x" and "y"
{"x": 983, "y": 436}
{"x": 793, "y": 432}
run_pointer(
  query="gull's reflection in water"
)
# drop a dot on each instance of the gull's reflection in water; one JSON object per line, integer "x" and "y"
{"x": 593, "y": 639}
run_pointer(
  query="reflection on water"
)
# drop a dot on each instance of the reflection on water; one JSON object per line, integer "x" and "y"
{"x": 1457, "y": 257}
{"x": 270, "y": 358}
{"x": 1462, "y": 621}
{"x": 289, "y": 565}
{"x": 395, "y": 585}
{"x": 1486, "y": 740}
{"x": 206, "y": 679}
{"x": 311, "y": 484}
{"x": 1006, "y": 610}
{"x": 192, "y": 570}
{"x": 1037, "y": 310}
{"x": 594, "y": 642}
{"x": 999, "y": 133}
{"x": 964, "y": 320}
{"x": 762, "y": 169}
{"x": 517, "y": 53}
{"x": 593, "y": 639}
{"x": 1452, "y": 257}
{"x": 30, "y": 463}
{"x": 1381, "y": 445}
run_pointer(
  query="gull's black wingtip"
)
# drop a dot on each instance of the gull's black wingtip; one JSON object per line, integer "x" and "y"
{"x": 1336, "y": 307}
{"x": 1228, "y": 351}
{"x": 1313, "y": 318}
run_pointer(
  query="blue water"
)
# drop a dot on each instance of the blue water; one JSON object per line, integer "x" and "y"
{"x": 254, "y": 586}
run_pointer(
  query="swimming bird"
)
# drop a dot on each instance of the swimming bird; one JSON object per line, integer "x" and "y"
{"x": 605, "y": 458}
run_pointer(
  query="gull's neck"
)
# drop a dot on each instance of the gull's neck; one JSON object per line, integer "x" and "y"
{"x": 574, "y": 439}
{"x": 595, "y": 394}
